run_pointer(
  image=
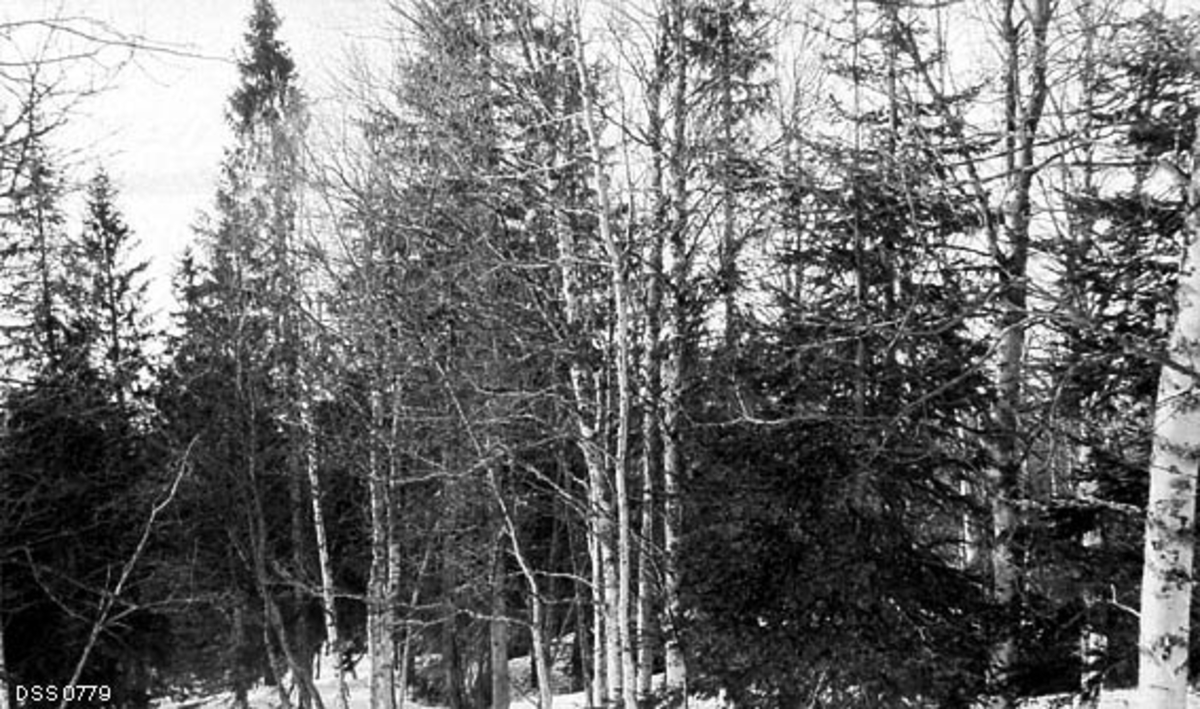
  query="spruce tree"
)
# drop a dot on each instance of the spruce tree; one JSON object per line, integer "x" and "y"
{"x": 109, "y": 302}
{"x": 243, "y": 339}
{"x": 843, "y": 526}
{"x": 79, "y": 465}
{"x": 32, "y": 257}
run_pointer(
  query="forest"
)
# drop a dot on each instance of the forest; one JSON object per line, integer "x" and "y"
{"x": 824, "y": 355}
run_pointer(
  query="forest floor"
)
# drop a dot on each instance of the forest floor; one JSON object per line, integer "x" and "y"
{"x": 268, "y": 698}
{"x": 1113, "y": 699}
{"x": 526, "y": 698}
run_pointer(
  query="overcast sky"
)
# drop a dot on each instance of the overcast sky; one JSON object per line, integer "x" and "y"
{"x": 159, "y": 126}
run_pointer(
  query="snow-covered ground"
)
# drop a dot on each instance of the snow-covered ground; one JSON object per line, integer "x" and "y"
{"x": 1116, "y": 699}
{"x": 360, "y": 696}
{"x": 268, "y": 697}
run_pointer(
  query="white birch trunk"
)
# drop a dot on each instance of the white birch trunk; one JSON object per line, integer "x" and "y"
{"x": 1171, "y": 510}
{"x": 673, "y": 371}
{"x": 651, "y": 463}
{"x": 392, "y": 586}
{"x": 649, "y": 556}
{"x": 599, "y": 660}
{"x": 619, "y": 584}
{"x": 605, "y": 538}
{"x": 541, "y": 658}
{"x": 589, "y": 415}
{"x": 333, "y": 645}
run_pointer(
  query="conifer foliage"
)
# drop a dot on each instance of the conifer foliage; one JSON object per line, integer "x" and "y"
{"x": 641, "y": 350}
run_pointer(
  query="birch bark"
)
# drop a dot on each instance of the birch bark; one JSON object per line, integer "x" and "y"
{"x": 1171, "y": 510}
{"x": 619, "y": 285}
{"x": 333, "y": 644}
{"x": 673, "y": 371}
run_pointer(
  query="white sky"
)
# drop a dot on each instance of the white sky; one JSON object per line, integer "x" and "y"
{"x": 159, "y": 127}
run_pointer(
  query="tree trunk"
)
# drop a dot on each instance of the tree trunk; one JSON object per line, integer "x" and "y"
{"x": 1093, "y": 642}
{"x": 728, "y": 251}
{"x": 406, "y": 645}
{"x": 599, "y": 645}
{"x": 379, "y": 627}
{"x": 394, "y": 552}
{"x": 608, "y": 575}
{"x": 298, "y": 650}
{"x": 651, "y": 384}
{"x": 1005, "y": 475}
{"x": 589, "y": 414}
{"x": 263, "y": 584}
{"x": 240, "y": 673}
{"x": 498, "y": 631}
{"x": 333, "y": 644}
{"x": 1171, "y": 510}
{"x": 674, "y": 368}
{"x": 452, "y": 665}
{"x": 301, "y": 672}
{"x": 618, "y": 597}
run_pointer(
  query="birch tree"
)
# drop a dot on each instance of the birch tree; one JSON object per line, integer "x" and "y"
{"x": 619, "y": 286}
{"x": 676, "y": 329}
{"x": 1167, "y": 573}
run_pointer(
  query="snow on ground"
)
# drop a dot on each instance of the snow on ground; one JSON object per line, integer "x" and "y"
{"x": 1114, "y": 699}
{"x": 360, "y": 695}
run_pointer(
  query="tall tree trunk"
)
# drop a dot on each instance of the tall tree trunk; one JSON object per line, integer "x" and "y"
{"x": 452, "y": 661}
{"x": 379, "y": 629}
{"x": 728, "y": 252}
{"x": 651, "y": 391}
{"x": 605, "y": 538}
{"x": 300, "y": 634}
{"x": 674, "y": 368}
{"x": 599, "y": 644}
{"x": 275, "y": 631}
{"x": 619, "y": 286}
{"x": 1022, "y": 115}
{"x": 394, "y": 552}
{"x": 588, "y": 414}
{"x": 333, "y": 643}
{"x": 1171, "y": 510}
{"x": 1093, "y": 642}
